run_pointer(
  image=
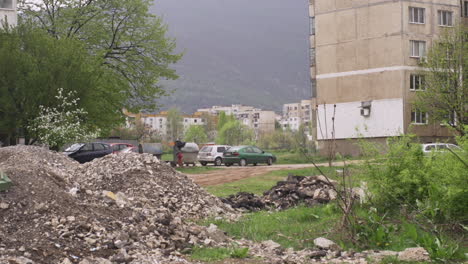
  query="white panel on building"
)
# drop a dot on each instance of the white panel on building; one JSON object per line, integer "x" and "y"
{"x": 378, "y": 118}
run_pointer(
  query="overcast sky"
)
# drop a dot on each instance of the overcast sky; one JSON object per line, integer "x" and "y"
{"x": 261, "y": 42}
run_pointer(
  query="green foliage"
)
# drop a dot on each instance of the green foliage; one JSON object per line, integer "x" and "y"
{"x": 196, "y": 133}
{"x": 175, "y": 126}
{"x": 290, "y": 228}
{"x": 130, "y": 42}
{"x": 234, "y": 133}
{"x": 445, "y": 69}
{"x": 218, "y": 253}
{"x": 431, "y": 185}
{"x": 34, "y": 65}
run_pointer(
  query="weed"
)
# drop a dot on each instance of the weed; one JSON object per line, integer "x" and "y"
{"x": 218, "y": 253}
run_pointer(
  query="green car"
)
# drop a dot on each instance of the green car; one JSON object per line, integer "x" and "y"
{"x": 244, "y": 155}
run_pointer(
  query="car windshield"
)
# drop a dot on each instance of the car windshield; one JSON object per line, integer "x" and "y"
{"x": 233, "y": 149}
{"x": 74, "y": 147}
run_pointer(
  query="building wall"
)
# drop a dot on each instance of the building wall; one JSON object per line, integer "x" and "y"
{"x": 8, "y": 12}
{"x": 362, "y": 51}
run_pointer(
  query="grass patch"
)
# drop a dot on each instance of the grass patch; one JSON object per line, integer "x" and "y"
{"x": 262, "y": 183}
{"x": 296, "y": 227}
{"x": 217, "y": 253}
{"x": 196, "y": 170}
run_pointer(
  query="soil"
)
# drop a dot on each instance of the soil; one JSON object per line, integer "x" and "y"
{"x": 235, "y": 173}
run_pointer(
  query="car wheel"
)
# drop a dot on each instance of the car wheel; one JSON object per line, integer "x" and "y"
{"x": 203, "y": 163}
{"x": 243, "y": 163}
{"x": 228, "y": 164}
{"x": 270, "y": 161}
{"x": 255, "y": 164}
{"x": 218, "y": 161}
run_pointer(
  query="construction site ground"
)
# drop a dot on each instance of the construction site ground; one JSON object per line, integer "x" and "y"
{"x": 235, "y": 173}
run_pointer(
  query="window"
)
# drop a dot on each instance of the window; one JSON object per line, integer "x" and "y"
{"x": 465, "y": 9}
{"x": 418, "y": 117}
{"x": 98, "y": 146}
{"x": 417, "y": 15}
{"x": 312, "y": 56}
{"x": 417, "y": 48}
{"x": 416, "y": 82}
{"x": 450, "y": 119}
{"x": 312, "y": 25}
{"x": 313, "y": 86}
{"x": 195, "y": 120}
{"x": 221, "y": 149}
{"x": 7, "y": 4}
{"x": 445, "y": 18}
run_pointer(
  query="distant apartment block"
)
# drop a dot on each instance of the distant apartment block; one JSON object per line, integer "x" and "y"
{"x": 158, "y": 123}
{"x": 363, "y": 65}
{"x": 297, "y": 114}
{"x": 259, "y": 120}
{"x": 8, "y": 13}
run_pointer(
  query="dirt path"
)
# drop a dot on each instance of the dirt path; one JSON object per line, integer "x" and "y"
{"x": 235, "y": 173}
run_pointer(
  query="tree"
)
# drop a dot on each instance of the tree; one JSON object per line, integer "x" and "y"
{"x": 130, "y": 41}
{"x": 33, "y": 66}
{"x": 209, "y": 125}
{"x": 196, "y": 133}
{"x": 175, "y": 126}
{"x": 59, "y": 125}
{"x": 222, "y": 120}
{"x": 445, "y": 98}
{"x": 235, "y": 133}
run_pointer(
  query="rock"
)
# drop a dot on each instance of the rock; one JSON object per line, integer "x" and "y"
{"x": 272, "y": 246}
{"x": 317, "y": 254}
{"x": 20, "y": 260}
{"x": 95, "y": 261}
{"x": 414, "y": 254}
{"x": 378, "y": 256}
{"x": 4, "y": 206}
{"x": 332, "y": 194}
{"x": 326, "y": 244}
{"x": 66, "y": 261}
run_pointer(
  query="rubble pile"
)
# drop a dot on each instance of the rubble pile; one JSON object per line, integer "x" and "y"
{"x": 310, "y": 190}
{"x": 122, "y": 208}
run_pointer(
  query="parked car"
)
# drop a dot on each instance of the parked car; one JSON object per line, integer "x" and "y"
{"x": 129, "y": 150}
{"x": 117, "y": 147}
{"x": 212, "y": 154}
{"x": 244, "y": 155}
{"x": 84, "y": 152}
{"x": 439, "y": 147}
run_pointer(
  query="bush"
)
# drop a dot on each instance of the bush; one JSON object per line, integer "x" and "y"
{"x": 433, "y": 186}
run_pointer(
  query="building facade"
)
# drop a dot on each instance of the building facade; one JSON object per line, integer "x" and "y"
{"x": 261, "y": 121}
{"x": 364, "y": 56}
{"x": 297, "y": 114}
{"x": 8, "y": 13}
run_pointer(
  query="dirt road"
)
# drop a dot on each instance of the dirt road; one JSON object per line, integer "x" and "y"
{"x": 235, "y": 173}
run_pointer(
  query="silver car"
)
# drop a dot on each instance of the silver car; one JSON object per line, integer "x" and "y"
{"x": 212, "y": 154}
{"x": 439, "y": 147}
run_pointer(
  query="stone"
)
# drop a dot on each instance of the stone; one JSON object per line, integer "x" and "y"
{"x": 271, "y": 245}
{"x": 378, "y": 256}
{"x": 414, "y": 254}
{"x": 4, "y": 206}
{"x": 326, "y": 244}
{"x": 66, "y": 261}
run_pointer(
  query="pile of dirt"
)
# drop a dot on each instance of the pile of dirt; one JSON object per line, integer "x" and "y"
{"x": 127, "y": 208}
{"x": 310, "y": 190}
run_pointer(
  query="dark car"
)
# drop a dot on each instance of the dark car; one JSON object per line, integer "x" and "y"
{"x": 244, "y": 155}
{"x": 84, "y": 152}
{"x": 117, "y": 147}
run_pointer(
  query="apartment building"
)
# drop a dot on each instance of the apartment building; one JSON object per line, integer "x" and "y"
{"x": 363, "y": 65}
{"x": 261, "y": 121}
{"x": 8, "y": 13}
{"x": 297, "y": 114}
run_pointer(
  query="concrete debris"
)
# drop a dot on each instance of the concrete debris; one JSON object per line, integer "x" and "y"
{"x": 323, "y": 243}
{"x": 414, "y": 254}
{"x": 311, "y": 190}
{"x": 110, "y": 210}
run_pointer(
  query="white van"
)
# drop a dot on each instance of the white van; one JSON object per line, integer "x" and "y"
{"x": 212, "y": 154}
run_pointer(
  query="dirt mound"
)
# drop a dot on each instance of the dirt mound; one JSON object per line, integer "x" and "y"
{"x": 310, "y": 190}
{"x": 125, "y": 208}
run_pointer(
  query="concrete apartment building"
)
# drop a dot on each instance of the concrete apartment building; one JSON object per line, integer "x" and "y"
{"x": 364, "y": 57}
{"x": 297, "y": 114}
{"x": 8, "y": 13}
{"x": 259, "y": 120}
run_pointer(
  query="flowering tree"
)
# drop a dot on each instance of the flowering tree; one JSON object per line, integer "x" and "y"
{"x": 56, "y": 126}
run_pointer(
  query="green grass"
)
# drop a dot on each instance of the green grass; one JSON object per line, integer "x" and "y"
{"x": 261, "y": 183}
{"x": 217, "y": 253}
{"x": 296, "y": 227}
{"x": 167, "y": 156}
{"x": 287, "y": 157}
{"x": 196, "y": 170}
